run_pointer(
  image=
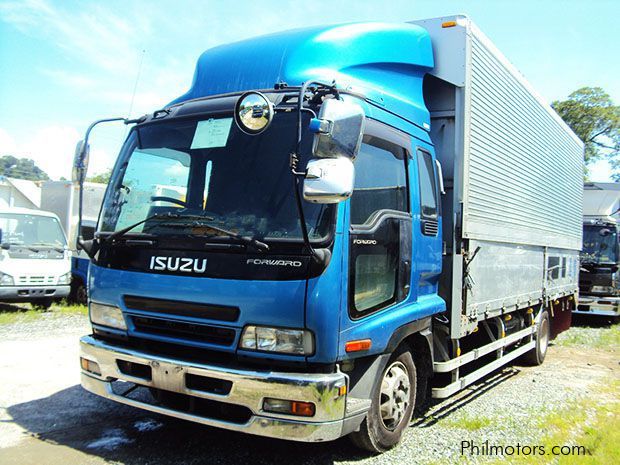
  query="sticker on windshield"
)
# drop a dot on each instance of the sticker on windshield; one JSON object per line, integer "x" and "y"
{"x": 211, "y": 133}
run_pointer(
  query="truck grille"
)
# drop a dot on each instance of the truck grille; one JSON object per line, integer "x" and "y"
{"x": 182, "y": 308}
{"x": 184, "y": 330}
{"x": 35, "y": 280}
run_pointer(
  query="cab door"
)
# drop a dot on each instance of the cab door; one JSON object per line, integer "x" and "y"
{"x": 380, "y": 224}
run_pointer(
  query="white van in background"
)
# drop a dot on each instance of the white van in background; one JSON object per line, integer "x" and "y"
{"x": 35, "y": 262}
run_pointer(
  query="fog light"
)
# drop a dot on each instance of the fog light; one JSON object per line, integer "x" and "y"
{"x": 289, "y": 407}
{"x": 90, "y": 366}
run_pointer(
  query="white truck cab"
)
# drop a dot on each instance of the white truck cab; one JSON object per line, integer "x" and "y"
{"x": 35, "y": 262}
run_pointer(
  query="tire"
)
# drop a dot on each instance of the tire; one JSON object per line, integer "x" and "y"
{"x": 79, "y": 293}
{"x": 536, "y": 356}
{"x": 42, "y": 304}
{"x": 383, "y": 427}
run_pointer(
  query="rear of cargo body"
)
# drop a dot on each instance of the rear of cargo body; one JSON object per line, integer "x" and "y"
{"x": 512, "y": 171}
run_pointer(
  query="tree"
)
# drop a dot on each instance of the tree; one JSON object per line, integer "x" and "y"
{"x": 21, "y": 168}
{"x": 102, "y": 178}
{"x": 595, "y": 119}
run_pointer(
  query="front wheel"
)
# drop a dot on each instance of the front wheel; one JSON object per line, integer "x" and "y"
{"x": 42, "y": 304}
{"x": 392, "y": 405}
{"x": 536, "y": 356}
{"x": 79, "y": 293}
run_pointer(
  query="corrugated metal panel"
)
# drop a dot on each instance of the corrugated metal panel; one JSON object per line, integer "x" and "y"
{"x": 523, "y": 166}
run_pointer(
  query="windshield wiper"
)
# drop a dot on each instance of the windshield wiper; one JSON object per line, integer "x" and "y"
{"x": 57, "y": 248}
{"x": 156, "y": 216}
{"x": 201, "y": 224}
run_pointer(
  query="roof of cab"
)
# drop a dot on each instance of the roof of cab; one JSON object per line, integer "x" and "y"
{"x": 386, "y": 62}
{"x": 26, "y": 211}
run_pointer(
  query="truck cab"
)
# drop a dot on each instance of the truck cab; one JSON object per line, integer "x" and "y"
{"x": 599, "y": 283}
{"x": 277, "y": 251}
{"x": 35, "y": 262}
{"x": 200, "y": 249}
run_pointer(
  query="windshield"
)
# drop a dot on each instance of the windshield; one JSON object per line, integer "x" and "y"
{"x": 205, "y": 171}
{"x": 31, "y": 230}
{"x": 600, "y": 244}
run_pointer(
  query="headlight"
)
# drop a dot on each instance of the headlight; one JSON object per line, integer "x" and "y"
{"x": 608, "y": 289}
{"x": 107, "y": 315}
{"x": 6, "y": 280}
{"x": 65, "y": 278}
{"x": 288, "y": 341}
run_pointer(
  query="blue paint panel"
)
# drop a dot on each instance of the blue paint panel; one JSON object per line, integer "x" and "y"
{"x": 380, "y": 326}
{"x": 422, "y": 300}
{"x": 79, "y": 268}
{"x": 270, "y": 303}
{"x": 324, "y": 298}
{"x": 384, "y": 61}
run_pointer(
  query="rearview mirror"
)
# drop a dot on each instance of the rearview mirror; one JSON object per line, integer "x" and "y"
{"x": 253, "y": 113}
{"x": 339, "y": 129}
{"x": 329, "y": 180}
{"x": 80, "y": 162}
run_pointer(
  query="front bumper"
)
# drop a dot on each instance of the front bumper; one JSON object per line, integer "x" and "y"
{"x": 597, "y": 305}
{"x": 32, "y": 293}
{"x": 335, "y": 415}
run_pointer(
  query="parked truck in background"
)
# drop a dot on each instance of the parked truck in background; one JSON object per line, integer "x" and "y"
{"x": 599, "y": 281}
{"x": 61, "y": 197}
{"x": 331, "y": 226}
{"x": 35, "y": 262}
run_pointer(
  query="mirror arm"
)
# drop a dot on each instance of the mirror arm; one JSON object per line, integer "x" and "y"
{"x": 81, "y": 244}
{"x": 294, "y": 161}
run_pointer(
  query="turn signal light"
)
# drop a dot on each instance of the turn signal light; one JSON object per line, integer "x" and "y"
{"x": 357, "y": 346}
{"x": 448, "y": 24}
{"x": 290, "y": 407}
{"x": 90, "y": 366}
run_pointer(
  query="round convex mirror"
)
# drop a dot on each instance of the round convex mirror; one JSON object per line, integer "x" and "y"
{"x": 253, "y": 113}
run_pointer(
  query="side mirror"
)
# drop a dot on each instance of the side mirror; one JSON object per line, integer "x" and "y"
{"x": 329, "y": 180}
{"x": 80, "y": 162}
{"x": 339, "y": 129}
{"x": 604, "y": 232}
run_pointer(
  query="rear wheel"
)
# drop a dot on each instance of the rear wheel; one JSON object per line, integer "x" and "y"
{"x": 392, "y": 405}
{"x": 536, "y": 356}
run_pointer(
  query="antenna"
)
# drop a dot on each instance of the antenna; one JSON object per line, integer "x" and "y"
{"x": 135, "y": 85}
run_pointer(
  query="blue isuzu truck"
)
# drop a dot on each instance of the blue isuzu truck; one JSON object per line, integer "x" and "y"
{"x": 331, "y": 227}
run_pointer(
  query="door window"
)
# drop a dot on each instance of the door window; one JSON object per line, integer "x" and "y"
{"x": 428, "y": 187}
{"x": 380, "y": 186}
{"x": 380, "y": 180}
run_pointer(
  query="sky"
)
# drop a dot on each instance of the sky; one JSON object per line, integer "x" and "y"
{"x": 66, "y": 63}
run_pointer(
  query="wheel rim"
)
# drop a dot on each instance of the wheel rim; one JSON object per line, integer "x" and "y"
{"x": 543, "y": 336}
{"x": 395, "y": 393}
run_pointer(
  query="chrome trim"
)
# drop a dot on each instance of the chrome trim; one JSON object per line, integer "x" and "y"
{"x": 249, "y": 388}
{"x": 597, "y": 307}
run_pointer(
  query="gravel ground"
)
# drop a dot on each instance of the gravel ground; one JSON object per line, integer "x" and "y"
{"x": 46, "y": 417}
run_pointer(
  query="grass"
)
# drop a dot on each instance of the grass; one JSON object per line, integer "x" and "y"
{"x": 588, "y": 431}
{"x": 24, "y": 312}
{"x": 604, "y": 337}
